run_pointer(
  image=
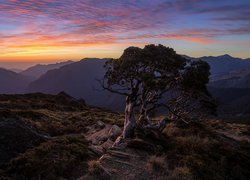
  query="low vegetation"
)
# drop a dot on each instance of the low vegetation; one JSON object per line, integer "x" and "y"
{"x": 95, "y": 167}
{"x": 208, "y": 149}
{"x": 156, "y": 163}
{"x": 54, "y": 115}
{"x": 61, "y": 157}
{"x": 197, "y": 151}
{"x": 59, "y": 121}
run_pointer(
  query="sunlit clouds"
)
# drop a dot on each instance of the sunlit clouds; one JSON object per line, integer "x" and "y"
{"x": 49, "y": 30}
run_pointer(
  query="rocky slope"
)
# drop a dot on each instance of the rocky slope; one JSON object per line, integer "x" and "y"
{"x": 60, "y": 137}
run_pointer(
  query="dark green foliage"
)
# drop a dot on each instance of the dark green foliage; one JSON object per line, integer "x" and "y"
{"x": 195, "y": 79}
{"x": 145, "y": 75}
{"x": 196, "y": 76}
{"x": 150, "y": 68}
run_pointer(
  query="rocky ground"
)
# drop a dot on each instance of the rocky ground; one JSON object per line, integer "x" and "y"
{"x": 59, "y": 137}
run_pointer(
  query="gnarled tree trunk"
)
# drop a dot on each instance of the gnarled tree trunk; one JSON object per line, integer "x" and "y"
{"x": 129, "y": 122}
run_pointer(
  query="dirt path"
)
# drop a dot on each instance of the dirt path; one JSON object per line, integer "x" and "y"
{"x": 120, "y": 164}
{"x": 126, "y": 165}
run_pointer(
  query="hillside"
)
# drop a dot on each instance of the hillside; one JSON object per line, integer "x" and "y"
{"x": 62, "y": 138}
{"x": 80, "y": 80}
{"x": 36, "y": 127}
{"x": 11, "y": 82}
{"x": 40, "y": 69}
{"x": 223, "y": 64}
{"x": 232, "y": 91}
{"x": 232, "y": 102}
{"x": 232, "y": 79}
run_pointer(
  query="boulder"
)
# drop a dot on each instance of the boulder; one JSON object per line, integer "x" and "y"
{"x": 98, "y": 150}
{"x": 100, "y": 124}
{"x": 108, "y": 144}
{"x": 99, "y": 136}
{"x": 114, "y": 132}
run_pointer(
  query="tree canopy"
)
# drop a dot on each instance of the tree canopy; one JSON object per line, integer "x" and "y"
{"x": 145, "y": 75}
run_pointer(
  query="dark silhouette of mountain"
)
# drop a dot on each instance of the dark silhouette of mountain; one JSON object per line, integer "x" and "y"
{"x": 232, "y": 101}
{"x": 233, "y": 79}
{"x": 232, "y": 82}
{"x": 232, "y": 91}
{"x": 11, "y": 82}
{"x": 16, "y": 70}
{"x": 40, "y": 69}
{"x": 78, "y": 79}
{"x": 223, "y": 64}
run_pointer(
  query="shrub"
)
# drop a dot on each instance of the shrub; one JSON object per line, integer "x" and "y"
{"x": 156, "y": 163}
{"x": 54, "y": 159}
{"x": 171, "y": 130}
{"x": 193, "y": 143}
{"x": 181, "y": 173}
{"x": 95, "y": 167}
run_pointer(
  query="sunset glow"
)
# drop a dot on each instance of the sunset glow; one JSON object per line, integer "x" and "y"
{"x": 48, "y": 30}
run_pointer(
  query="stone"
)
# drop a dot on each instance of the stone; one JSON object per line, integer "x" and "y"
{"x": 108, "y": 144}
{"x": 114, "y": 132}
{"x": 100, "y": 124}
{"x": 98, "y": 150}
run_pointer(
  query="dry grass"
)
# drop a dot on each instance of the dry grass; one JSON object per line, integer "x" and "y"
{"x": 156, "y": 163}
{"x": 58, "y": 158}
{"x": 171, "y": 130}
{"x": 55, "y": 115}
{"x": 63, "y": 156}
{"x": 181, "y": 173}
{"x": 94, "y": 167}
{"x": 198, "y": 151}
{"x": 193, "y": 151}
{"x": 193, "y": 143}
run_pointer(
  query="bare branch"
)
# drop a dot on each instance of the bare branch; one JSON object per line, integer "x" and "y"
{"x": 116, "y": 91}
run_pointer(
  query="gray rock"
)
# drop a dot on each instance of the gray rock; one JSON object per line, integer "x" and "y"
{"x": 114, "y": 132}
{"x": 100, "y": 124}
{"x": 108, "y": 144}
{"x": 98, "y": 150}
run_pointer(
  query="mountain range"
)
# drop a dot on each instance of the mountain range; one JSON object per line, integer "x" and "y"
{"x": 40, "y": 69}
{"x": 229, "y": 82}
{"x": 79, "y": 79}
{"x": 223, "y": 64}
{"x": 12, "y": 82}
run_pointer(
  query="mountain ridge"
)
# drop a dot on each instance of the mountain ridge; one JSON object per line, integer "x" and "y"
{"x": 39, "y": 69}
{"x": 12, "y": 82}
{"x": 79, "y": 79}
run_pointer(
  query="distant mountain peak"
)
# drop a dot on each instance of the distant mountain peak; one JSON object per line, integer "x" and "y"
{"x": 226, "y": 56}
{"x": 40, "y": 69}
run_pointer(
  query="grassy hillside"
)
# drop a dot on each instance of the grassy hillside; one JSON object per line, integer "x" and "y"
{"x": 58, "y": 122}
{"x": 44, "y": 137}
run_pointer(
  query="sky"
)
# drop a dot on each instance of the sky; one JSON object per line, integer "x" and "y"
{"x": 47, "y": 31}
